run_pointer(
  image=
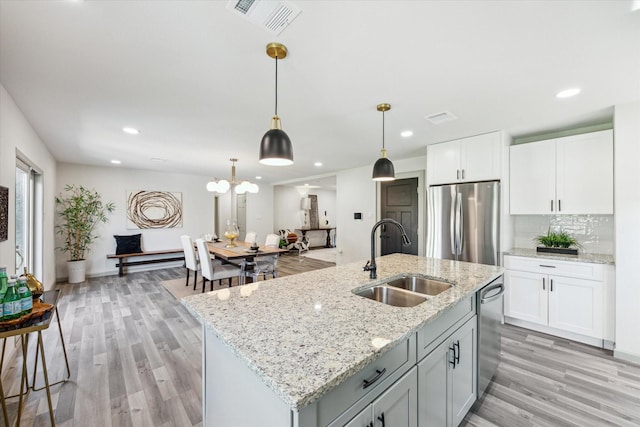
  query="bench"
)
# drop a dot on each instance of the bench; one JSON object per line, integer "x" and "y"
{"x": 124, "y": 263}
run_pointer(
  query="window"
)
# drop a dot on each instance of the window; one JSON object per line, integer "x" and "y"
{"x": 28, "y": 218}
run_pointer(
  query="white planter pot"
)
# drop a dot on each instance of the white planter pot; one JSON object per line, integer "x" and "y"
{"x": 76, "y": 270}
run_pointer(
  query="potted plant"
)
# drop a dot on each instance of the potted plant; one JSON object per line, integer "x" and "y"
{"x": 557, "y": 242}
{"x": 79, "y": 210}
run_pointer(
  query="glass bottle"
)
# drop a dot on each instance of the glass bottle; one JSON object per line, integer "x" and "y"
{"x": 3, "y": 289}
{"x": 3, "y": 284}
{"x": 231, "y": 233}
{"x": 11, "y": 303}
{"x": 26, "y": 299}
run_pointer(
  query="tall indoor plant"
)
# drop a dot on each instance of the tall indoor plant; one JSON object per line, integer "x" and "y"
{"x": 79, "y": 210}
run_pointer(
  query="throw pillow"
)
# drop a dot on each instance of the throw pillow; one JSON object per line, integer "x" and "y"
{"x": 128, "y": 244}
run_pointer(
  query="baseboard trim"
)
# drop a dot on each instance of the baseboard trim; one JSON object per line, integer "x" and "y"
{"x": 629, "y": 357}
{"x": 132, "y": 269}
{"x": 596, "y": 342}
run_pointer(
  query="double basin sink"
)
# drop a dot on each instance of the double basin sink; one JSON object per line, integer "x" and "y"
{"x": 406, "y": 291}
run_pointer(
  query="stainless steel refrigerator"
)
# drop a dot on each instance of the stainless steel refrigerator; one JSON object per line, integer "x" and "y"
{"x": 464, "y": 222}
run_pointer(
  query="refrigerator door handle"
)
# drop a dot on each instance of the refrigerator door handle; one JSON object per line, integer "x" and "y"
{"x": 452, "y": 225}
{"x": 459, "y": 224}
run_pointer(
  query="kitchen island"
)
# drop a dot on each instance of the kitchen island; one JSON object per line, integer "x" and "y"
{"x": 273, "y": 350}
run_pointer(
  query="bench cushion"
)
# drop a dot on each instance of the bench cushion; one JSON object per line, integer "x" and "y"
{"x": 128, "y": 244}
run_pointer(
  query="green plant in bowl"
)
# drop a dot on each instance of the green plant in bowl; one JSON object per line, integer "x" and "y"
{"x": 557, "y": 240}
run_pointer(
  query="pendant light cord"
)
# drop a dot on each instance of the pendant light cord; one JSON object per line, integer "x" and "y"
{"x": 383, "y": 129}
{"x": 276, "y": 85}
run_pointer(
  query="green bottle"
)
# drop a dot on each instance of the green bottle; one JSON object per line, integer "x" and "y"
{"x": 12, "y": 305}
{"x": 26, "y": 299}
{"x": 3, "y": 285}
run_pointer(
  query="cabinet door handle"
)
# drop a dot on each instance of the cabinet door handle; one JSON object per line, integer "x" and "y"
{"x": 559, "y": 205}
{"x": 543, "y": 284}
{"x": 375, "y": 378}
{"x": 457, "y": 173}
{"x": 453, "y": 362}
{"x": 456, "y": 353}
{"x": 381, "y": 418}
{"x": 547, "y": 266}
{"x": 462, "y": 173}
{"x": 551, "y": 205}
{"x": 551, "y": 284}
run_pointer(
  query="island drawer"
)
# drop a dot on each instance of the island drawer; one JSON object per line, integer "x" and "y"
{"x": 579, "y": 270}
{"x": 384, "y": 370}
{"x": 431, "y": 334}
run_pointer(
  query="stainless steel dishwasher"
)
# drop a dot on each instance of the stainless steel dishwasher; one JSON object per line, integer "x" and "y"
{"x": 490, "y": 314}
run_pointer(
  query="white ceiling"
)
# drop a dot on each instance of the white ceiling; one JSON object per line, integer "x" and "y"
{"x": 195, "y": 79}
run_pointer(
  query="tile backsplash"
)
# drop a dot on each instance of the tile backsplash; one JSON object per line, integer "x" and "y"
{"x": 594, "y": 232}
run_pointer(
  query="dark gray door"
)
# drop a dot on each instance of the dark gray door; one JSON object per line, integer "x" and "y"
{"x": 399, "y": 201}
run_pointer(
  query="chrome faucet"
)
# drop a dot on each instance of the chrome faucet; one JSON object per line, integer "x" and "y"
{"x": 371, "y": 264}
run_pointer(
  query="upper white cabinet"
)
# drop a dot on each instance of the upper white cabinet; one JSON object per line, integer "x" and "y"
{"x": 476, "y": 158}
{"x": 569, "y": 175}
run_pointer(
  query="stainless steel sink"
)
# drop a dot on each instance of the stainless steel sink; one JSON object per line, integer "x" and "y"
{"x": 392, "y": 296}
{"x": 419, "y": 284}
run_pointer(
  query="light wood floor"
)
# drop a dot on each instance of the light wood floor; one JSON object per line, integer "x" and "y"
{"x": 135, "y": 355}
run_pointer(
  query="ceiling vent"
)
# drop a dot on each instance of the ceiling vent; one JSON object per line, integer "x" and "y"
{"x": 442, "y": 117}
{"x": 273, "y": 16}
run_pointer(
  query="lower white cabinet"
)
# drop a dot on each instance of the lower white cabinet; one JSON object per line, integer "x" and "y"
{"x": 395, "y": 407}
{"x": 562, "y": 298}
{"x": 447, "y": 379}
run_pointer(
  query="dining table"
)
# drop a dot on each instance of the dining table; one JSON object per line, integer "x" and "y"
{"x": 241, "y": 252}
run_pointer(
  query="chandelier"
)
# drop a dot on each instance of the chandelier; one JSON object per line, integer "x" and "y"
{"x": 222, "y": 186}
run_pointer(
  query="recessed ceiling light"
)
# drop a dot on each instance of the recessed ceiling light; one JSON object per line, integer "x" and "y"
{"x": 131, "y": 131}
{"x": 116, "y": 162}
{"x": 258, "y": 177}
{"x": 317, "y": 164}
{"x": 568, "y": 93}
{"x": 306, "y": 185}
{"x": 406, "y": 133}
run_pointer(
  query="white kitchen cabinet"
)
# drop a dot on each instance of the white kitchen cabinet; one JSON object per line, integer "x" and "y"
{"x": 395, "y": 407}
{"x": 568, "y": 175}
{"x": 555, "y": 296}
{"x": 476, "y": 158}
{"x": 447, "y": 379}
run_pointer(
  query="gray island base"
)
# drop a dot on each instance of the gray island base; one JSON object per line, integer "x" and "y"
{"x": 305, "y": 351}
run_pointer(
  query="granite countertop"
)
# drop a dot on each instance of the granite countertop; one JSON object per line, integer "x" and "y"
{"x": 581, "y": 257}
{"x": 304, "y": 334}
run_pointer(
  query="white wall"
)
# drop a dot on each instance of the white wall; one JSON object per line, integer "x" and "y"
{"x": 260, "y": 211}
{"x": 355, "y": 192}
{"x": 16, "y": 134}
{"x": 627, "y": 229}
{"x": 112, "y": 183}
{"x": 288, "y": 215}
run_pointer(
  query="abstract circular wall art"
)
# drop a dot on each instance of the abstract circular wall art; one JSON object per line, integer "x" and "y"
{"x": 154, "y": 209}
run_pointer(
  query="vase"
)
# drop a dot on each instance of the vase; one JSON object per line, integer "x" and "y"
{"x": 231, "y": 233}
{"x": 76, "y": 270}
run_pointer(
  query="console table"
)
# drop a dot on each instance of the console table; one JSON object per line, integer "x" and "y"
{"x": 327, "y": 229}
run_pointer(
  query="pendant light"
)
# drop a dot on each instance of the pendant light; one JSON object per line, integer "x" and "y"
{"x": 239, "y": 187}
{"x": 383, "y": 168}
{"x": 275, "y": 148}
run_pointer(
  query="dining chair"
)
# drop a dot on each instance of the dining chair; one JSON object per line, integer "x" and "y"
{"x": 213, "y": 271}
{"x": 265, "y": 265}
{"x": 190, "y": 259}
{"x": 250, "y": 237}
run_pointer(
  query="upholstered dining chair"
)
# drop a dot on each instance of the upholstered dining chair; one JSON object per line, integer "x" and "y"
{"x": 250, "y": 237}
{"x": 190, "y": 259}
{"x": 213, "y": 271}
